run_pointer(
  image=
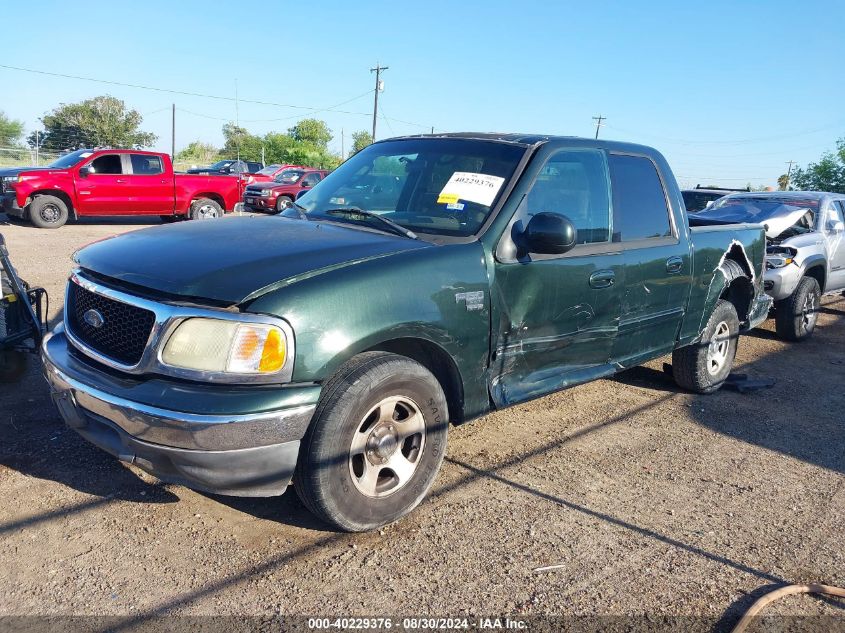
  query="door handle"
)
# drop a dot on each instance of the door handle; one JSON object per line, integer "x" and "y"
{"x": 674, "y": 265}
{"x": 602, "y": 279}
{"x": 120, "y": 181}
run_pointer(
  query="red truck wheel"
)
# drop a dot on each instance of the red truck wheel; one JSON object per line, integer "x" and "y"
{"x": 48, "y": 212}
{"x": 206, "y": 209}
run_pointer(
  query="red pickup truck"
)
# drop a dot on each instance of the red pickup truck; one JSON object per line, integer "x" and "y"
{"x": 113, "y": 182}
{"x": 283, "y": 190}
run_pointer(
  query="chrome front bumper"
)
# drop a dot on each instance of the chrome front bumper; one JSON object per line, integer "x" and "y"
{"x": 235, "y": 454}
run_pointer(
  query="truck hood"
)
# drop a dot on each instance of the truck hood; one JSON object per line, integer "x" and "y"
{"x": 234, "y": 259}
{"x": 14, "y": 171}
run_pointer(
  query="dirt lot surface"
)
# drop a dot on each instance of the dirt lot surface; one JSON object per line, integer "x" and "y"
{"x": 647, "y": 500}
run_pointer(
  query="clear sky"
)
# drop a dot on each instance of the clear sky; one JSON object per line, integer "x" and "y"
{"x": 728, "y": 91}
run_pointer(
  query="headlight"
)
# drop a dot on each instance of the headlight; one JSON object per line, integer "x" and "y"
{"x": 266, "y": 192}
{"x": 778, "y": 261}
{"x": 228, "y": 347}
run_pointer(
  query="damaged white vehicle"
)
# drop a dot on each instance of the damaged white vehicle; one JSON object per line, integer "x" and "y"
{"x": 805, "y": 236}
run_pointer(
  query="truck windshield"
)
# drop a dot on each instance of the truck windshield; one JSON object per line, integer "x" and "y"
{"x": 221, "y": 164}
{"x": 69, "y": 160}
{"x": 268, "y": 171}
{"x": 440, "y": 186}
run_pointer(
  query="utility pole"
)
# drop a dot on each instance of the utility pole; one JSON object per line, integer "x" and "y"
{"x": 598, "y": 119}
{"x": 173, "y": 134}
{"x": 432, "y": 129}
{"x": 788, "y": 174}
{"x": 379, "y": 86}
{"x": 36, "y": 148}
{"x": 237, "y": 122}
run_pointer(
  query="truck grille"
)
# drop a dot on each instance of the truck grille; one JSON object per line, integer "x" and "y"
{"x": 124, "y": 331}
{"x": 255, "y": 190}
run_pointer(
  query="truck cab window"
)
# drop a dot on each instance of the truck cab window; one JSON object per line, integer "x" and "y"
{"x": 310, "y": 180}
{"x": 834, "y": 212}
{"x": 145, "y": 165}
{"x": 639, "y": 201}
{"x": 574, "y": 184}
{"x": 107, "y": 164}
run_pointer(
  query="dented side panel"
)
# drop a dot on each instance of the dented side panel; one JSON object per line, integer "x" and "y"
{"x": 743, "y": 243}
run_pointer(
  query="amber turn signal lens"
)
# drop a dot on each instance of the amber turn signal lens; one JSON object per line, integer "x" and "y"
{"x": 273, "y": 354}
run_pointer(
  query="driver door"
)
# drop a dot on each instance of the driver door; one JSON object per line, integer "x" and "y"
{"x": 105, "y": 190}
{"x": 558, "y": 315}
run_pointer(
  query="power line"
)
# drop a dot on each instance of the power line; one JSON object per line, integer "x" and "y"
{"x": 746, "y": 141}
{"x": 164, "y": 90}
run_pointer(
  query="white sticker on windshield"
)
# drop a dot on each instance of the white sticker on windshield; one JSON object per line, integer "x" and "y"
{"x": 464, "y": 185}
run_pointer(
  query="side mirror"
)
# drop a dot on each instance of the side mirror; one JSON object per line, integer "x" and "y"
{"x": 86, "y": 171}
{"x": 305, "y": 185}
{"x": 549, "y": 234}
{"x": 835, "y": 226}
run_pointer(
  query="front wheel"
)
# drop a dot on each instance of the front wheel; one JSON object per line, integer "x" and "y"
{"x": 703, "y": 367}
{"x": 206, "y": 209}
{"x": 796, "y": 316}
{"x": 282, "y": 203}
{"x": 375, "y": 444}
{"x": 48, "y": 212}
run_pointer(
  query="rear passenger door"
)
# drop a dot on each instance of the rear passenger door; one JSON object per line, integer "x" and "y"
{"x": 152, "y": 191}
{"x": 105, "y": 191}
{"x": 656, "y": 258}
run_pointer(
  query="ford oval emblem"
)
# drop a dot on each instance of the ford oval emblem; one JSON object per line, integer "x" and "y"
{"x": 93, "y": 318}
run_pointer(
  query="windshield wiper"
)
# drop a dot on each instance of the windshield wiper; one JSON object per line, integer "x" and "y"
{"x": 396, "y": 228}
{"x": 300, "y": 211}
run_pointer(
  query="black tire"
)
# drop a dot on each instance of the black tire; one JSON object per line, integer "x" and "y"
{"x": 796, "y": 316}
{"x": 13, "y": 365}
{"x": 205, "y": 209}
{"x": 695, "y": 366}
{"x": 351, "y": 409}
{"x": 48, "y": 212}
{"x": 283, "y": 202}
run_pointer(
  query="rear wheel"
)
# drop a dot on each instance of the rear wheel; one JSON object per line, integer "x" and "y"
{"x": 375, "y": 444}
{"x": 703, "y": 367}
{"x": 48, "y": 212}
{"x": 206, "y": 209}
{"x": 283, "y": 202}
{"x": 796, "y": 316}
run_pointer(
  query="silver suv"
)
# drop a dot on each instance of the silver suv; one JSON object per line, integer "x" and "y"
{"x": 805, "y": 237}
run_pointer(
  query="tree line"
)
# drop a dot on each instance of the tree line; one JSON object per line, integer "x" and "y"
{"x": 106, "y": 121}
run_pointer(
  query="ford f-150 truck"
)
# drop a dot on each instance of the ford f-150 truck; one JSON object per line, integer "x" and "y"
{"x": 113, "y": 182}
{"x": 332, "y": 345}
{"x": 280, "y": 194}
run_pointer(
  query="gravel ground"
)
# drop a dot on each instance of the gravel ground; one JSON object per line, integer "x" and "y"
{"x": 651, "y": 503}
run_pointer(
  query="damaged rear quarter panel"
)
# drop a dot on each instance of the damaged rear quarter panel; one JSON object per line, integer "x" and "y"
{"x": 711, "y": 245}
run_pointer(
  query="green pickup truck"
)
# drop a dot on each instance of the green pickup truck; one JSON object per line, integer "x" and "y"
{"x": 427, "y": 281}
